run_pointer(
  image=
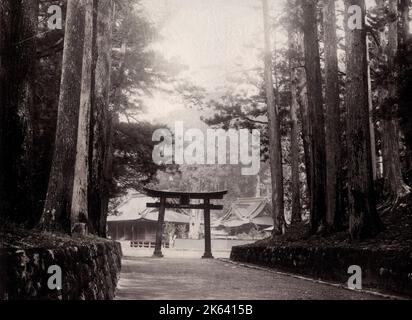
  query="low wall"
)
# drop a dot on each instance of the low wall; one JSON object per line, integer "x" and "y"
{"x": 386, "y": 269}
{"x": 90, "y": 271}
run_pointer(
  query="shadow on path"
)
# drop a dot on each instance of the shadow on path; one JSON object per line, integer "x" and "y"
{"x": 191, "y": 278}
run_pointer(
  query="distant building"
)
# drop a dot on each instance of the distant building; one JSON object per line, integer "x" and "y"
{"x": 244, "y": 215}
{"x": 134, "y": 222}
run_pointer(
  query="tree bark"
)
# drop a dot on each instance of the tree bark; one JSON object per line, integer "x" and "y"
{"x": 333, "y": 126}
{"x": 405, "y": 69}
{"x": 5, "y": 32}
{"x": 372, "y": 118}
{"x": 405, "y": 66}
{"x": 18, "y": 52}
{"x": 404, "y": 23}
{"x": 79, "y": 209}
{"x": 294, "y": 133}
{"x": 405, "y": 78}
{"x": 304, "y": 115}
{"x": 316, "y": 117}
{"x": 363, "y": 217}
{"x": 57, "y": 209}
{"x": 274, "y": 133}
{"x": 394, "y": 185}
{"x": 99, "y": 188}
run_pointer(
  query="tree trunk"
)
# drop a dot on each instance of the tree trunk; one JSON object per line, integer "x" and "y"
{"x": 371, "y": 118}
{"x": 56, "y": 213}
{"x": 79, "y": 209}
{"x": 114, "y": 119}
{"x": 18, "y": 52}
{"x": 316, "y": 117}
{"x": 405, "y": 67}
{"x": 404, "y": 23}
{"x": 405, "y": 78}
{"x": 108, "y": 169}
{"x": 99, "y": 148}
{"x": 363, "y": 217}
{"x": 5, "y": 32}
{"x": 394, "y": 185}
{"x": 334, "y": 203}
{"x": 294, "y": 133}
{"x": 304, "y": 116}
{"x": 275, "y": 148}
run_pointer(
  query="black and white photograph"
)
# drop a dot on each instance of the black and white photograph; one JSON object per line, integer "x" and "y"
{"x": 205, "y": 154}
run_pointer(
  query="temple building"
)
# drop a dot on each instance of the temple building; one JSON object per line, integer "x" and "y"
{"x": 244, "y": 215}
{"x": 133, "y": 221}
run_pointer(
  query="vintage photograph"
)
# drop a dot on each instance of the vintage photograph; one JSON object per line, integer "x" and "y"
{"x": 205, "y": 150}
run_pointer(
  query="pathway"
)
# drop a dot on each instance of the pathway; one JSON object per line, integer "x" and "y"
{"x": 184, "y": 276}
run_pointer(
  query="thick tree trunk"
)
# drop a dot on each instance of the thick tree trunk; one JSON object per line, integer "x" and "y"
{"x": 5, "y": 32}
{"x": 363, "y": 217}
{"x": 405, "y": 66}
{"x": 404, "y": 23}
{"x": 57, "y": 209}
{"x": 99, "y": 188}
{"x": 334, "y": 204}
{"x": 303, "y": 108}
{"x": 372, "y": 118}
{"x": 304, "y": 116}
{"x": 294, "y": 134}
{"x": 405, "y": 78}
{"x": 316, "y": 117}
{"x": 79, "y": 209}
{"x": 114, "y": 118}
{"x": 18, "y": 52}
{"x": 394, "y": 185}
{"x": 274, "y": 133}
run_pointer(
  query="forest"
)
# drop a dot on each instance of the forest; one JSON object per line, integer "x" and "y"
{"x": 331, "y": 97}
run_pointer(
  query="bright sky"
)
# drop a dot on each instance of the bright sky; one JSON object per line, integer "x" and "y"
{"x": 211, "y": 37}
{"x": 208, "y": 36}
{"x": 215, "y": 39}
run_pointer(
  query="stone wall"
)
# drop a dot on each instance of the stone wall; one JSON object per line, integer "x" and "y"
{"x": 386, "y": 269}
{"x": 90, "y": 271}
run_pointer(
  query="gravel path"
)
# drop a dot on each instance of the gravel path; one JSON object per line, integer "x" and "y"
{"x": 191, "y": 278}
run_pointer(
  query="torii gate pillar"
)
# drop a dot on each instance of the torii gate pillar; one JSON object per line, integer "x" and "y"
{"x": 184, "y": 198}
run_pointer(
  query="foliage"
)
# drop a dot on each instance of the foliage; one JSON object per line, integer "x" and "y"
{"x": 181, "y": 231}
{"x": 135, "y": 73}
{"x": 169, "y": 229}
{"x": 133, "y": 165}
{"x": 205, "y": 178}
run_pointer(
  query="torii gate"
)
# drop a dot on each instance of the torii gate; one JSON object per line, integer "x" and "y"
{"x": 184, "y": 203}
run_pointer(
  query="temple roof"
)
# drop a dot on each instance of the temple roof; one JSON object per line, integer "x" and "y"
{"x": 134, "y": 209}
{"x": 247, "y": 211}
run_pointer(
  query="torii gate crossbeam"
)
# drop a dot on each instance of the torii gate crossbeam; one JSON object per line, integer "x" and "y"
{"x": 184, "y": 203}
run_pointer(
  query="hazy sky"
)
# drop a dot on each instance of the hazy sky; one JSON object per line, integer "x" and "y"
{"x": 213, "y": 38}
{"x": 208, "y": 36}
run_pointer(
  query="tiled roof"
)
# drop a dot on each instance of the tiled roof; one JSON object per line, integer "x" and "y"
{"x": 247, "y": 211}
{"x": 134, "y": 208}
